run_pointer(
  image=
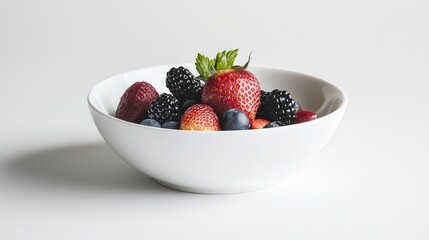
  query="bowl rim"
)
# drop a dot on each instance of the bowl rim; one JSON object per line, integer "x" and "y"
{"x": 342, "y": 107}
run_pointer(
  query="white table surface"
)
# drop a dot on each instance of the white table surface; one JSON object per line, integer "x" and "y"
{"x": 58, "y": 180}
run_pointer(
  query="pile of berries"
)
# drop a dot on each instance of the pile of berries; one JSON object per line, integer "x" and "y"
{"x": 223, "y": 97}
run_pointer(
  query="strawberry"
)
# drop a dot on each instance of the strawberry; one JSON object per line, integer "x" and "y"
{"x": 259, "y": 123}
{"x": 200, "y": 117}
{"x": 135, "y": 101}
{"x": 228, "y": 86}
{"x": 304, "y": 116}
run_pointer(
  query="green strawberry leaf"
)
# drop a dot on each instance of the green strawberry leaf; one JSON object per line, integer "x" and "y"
{"x": 225, "y": 60}
{"x": 207, "y": 67}
{"x": 203, "y": 65}
{"x": 231, "y": 56}
{"x": 221, "y": 62}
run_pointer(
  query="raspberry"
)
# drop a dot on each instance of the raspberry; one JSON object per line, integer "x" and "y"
{"x": 304, "y": 116}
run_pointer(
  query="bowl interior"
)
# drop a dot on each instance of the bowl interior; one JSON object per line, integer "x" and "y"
{"x": 314, "y": 94}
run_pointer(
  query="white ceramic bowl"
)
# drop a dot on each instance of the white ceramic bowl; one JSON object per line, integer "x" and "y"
{"x": 223, "y": 161}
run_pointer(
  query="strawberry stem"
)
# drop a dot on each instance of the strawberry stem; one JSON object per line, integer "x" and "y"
{"x": 236, "y": 67}
{"x": 224, "y": 60}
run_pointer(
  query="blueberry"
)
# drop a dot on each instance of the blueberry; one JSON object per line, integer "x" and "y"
{"x": 297, "y": 106}
{"x": 186, "y": 105}
{"x": 150, "y": 122}
{"x": 234, "y": 119}
{"x": 274, "y": 124}
{"x": 171, "y": 125}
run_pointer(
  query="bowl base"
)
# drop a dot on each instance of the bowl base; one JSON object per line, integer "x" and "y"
{"x": 214, "y": 191}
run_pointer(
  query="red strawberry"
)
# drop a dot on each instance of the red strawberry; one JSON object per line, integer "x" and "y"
{"x": 228, "y": 86}
{"x": 304, "y": 116}
{"x": 200, "y": 117}
{"x": 135, "y": 101}
{"x": 259, "y": 123}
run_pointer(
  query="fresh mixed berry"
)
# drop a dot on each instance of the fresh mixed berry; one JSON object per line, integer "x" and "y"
{"x": 171, "y": 125}
{"x": 278, "y": 105}
{"x": 135, "y": 101}
{"x": 165, "y": 108}
{"x": 182, "y": 84}
{"x": 227, "y": 85}
{"x": 304, "y": 116}
{"x": 224, "y": 96}
{"x": 200, "y": 117}
{"x": 150, "y": 122}
{"x": 234, "y": 119}
{"x": 263, "y": 107}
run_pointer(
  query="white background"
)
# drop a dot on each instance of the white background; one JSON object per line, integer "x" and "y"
{"x": 59, "y": 181}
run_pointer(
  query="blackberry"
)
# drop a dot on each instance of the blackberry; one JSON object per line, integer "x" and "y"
{"x": 262, "y": 110}
{"x": 182, "y": 84}
{"x": 165, "y": 108}
{"x": 281, "y": 107}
